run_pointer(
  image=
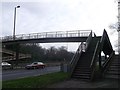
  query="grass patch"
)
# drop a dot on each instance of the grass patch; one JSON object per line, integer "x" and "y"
{"x": 37, "y": 81}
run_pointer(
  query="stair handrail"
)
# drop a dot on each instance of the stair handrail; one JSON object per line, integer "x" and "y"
{"x": 78, "y": 53}
{"x": 94, "y": 59}
{"x": 107, "y": 62}
{"x": 75, "y": 59}
{"x": 105, "y": 37}
{"x": 95, "y": 53}
{"x": 88, "y": 40}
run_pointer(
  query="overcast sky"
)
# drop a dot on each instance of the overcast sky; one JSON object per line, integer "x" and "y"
{"x": 60, "y": 15}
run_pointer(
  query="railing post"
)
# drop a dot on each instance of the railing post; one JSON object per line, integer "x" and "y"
{"x": 46, "y": 34}
{"x": 22, "y": 36}
{"x": 78, "y": 33}
{"x": 29, "y": 36}
{"x": 37, "y": 35}
{"x": 66, "y": 33}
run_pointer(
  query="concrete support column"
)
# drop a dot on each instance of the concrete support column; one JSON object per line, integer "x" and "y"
{"x": 105, "y": 56}
{"x": 17, "y": 46}
{"x": 100, "y": 60}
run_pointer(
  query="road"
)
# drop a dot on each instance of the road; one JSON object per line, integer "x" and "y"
{"x": 15, "y": 74}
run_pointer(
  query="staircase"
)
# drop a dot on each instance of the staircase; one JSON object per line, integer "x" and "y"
{"x": 86, "y": 64}
{"x": 82, "y": 69}
{"x": 114, "y": 68}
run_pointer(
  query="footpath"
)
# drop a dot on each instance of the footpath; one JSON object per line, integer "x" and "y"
{"x": 75, "y": 83}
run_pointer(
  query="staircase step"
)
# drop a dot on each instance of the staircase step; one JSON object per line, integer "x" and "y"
{"x": 114, "y": 69}
{"x": 115, "y": 64}
{"x": 113, "y": 76}
{"x": 82, "y": 72}
{"x": 81, "y": 77}
{"x": 113, "y": 73}
{"x": 82, "y": 69}
{"x": 83, "y": 65}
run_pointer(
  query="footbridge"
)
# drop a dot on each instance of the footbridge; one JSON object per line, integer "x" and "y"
{"x": 44, "y": 37}
{"x": 87, "y": 61}
{"x": 48, "y": 37}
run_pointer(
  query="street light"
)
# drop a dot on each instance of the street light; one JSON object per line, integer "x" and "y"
{"x": 15, "y": 21}
{"x": 118, "y": 27}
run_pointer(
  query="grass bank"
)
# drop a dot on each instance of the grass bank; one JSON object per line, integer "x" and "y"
{"x": 37, "y": 81}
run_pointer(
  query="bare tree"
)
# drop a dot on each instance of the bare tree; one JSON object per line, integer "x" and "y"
{"x": 116, "y": 27}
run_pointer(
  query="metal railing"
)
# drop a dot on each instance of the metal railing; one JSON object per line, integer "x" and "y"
{"x": 88, "y": 40}
{"x": 78, "y": 53}
{"x": 107, "y": 62}
{"x": 75, "y": 59}
{"x": 8, "y": 58}
{"x": 98, "y": 49}
{"x": 75, "y": 33}
{"x": 13, "y": 52}
{"x": 13, "y": 57}
{"x": 105, "y": 38}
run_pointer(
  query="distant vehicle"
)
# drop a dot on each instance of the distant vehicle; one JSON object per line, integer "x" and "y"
{"x": 6, "y": 65}
{"x": 35, "y": 65}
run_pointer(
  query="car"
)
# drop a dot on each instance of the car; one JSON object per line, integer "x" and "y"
{"x": 35, "y": 65}
{"x": 6, "y": 65}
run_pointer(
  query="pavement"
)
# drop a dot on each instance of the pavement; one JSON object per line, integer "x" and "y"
{"x": 76, "y": 83}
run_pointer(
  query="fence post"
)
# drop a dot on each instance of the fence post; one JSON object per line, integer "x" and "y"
{"x": 61, "y": 67}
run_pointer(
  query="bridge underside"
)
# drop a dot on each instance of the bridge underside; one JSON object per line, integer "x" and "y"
{"x": 48, "y": 40}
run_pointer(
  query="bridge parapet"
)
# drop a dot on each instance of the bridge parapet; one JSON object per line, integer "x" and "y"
{"x": 59, "y": 34}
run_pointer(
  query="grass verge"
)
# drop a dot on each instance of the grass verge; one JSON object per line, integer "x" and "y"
{"x": 37, "y": 81}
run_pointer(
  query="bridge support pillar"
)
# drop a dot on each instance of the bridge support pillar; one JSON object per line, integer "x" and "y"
{"x": 17, "y": 46}
{"x": 105, "y": 56}
{"x": 100, "y": 60}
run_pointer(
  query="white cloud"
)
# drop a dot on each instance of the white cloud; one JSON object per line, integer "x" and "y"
{"x": 59, "y": 15}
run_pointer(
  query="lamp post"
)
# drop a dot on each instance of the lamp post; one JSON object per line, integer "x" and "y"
{"x": 15, "y": 21}
{"x": 118, "y": 27}
{"x": 118, "y": 39}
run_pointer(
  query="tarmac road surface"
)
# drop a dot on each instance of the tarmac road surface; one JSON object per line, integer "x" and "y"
{"x": 21, "y": 73}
